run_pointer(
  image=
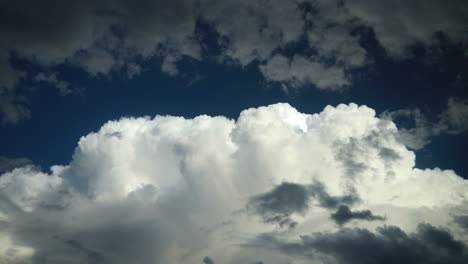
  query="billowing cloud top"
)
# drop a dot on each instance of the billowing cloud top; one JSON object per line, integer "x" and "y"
{"x": 273, "y": 186}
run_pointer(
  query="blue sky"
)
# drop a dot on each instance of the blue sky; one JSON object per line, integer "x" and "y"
{"x": 339, "y": 124}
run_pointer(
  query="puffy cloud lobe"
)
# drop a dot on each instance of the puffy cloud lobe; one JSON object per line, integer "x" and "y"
{"x": 96, "y": 36}
{"x": 171, "y": 189}
{"x": 28, "y": 188}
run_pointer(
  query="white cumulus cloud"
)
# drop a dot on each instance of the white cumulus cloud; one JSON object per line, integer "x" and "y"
{"x": 175, "y": 190}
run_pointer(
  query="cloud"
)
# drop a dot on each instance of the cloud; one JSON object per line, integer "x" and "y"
{"x": 399, "y": 24}
{"x": 453, "y": 120}
{"x": 286, "y": 199}
{"x": 7, "y": 164}
{"x": 317, "y": 190}
{"x": 462, "y": 221}
{"x": 174, "y": 190}
{"x": 208, "y": 260}
{"x": 92, "y": 256}
{"x": 300, "y": 72}
{"x": 61, "y": 85}
{"x": 305, "y": 43}
{"x": 344, "y": 215}
{"x": 389, "y": 245}
{"x": 96, "y": 37}
{"x": 281, "y": 202}
{"x": 133, "y": 70}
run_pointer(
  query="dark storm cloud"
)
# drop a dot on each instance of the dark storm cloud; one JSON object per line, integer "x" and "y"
{"x": 347, "y": 154}
{"x": 388, "y": 154}
{"x": 344, "y": 215}
{"x": 280, "y": 203}
{"x": 208, "y": 260}
{"x": 98, "y": 37}
{"x": 462, "y": 221}
{"x": 287, "y": 199}
{"x": 453, "y": 120}
{"x": 104, "y": 36}
{"x": 92, "y": 256}
{"x": 325, "y": 200}
{"x": 390, "y": 245}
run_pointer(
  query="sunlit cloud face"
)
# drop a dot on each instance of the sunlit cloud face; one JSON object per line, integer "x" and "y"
{"x": 273, "y": 186}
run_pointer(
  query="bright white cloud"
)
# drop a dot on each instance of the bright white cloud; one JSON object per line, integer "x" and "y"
{"x": 176, "y": 190}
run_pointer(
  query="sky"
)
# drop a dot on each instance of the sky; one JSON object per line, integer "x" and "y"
{"x": 236, "y": 132}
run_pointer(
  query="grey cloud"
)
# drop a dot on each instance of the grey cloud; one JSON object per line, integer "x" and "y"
{"x": 92, "y": 256}
{"x": 97, "y": 36}
{"x": 61, "y": 85}
{"x": 343, "y": 215}
{"x": 390, "y": 245}
{"x": 7, "y": 164}
{"x": 104, "y": 36}
{"x": 286, "y": 199}
{"x": 254, "y": 29}
{"x": 208, "y": 260}
{"x": 12, "y": 106}
{"x": 96, "y": 61}
{"x": 169, "y": 65}
{"x": 355, "y": 153}
{"x": 417, "y": 136}
{"x": 279, "y": 204}
{"x": 301, "y": 71}
{"x": 389, "y": 154}
{"x": 400, "y": 24}
{"x": 133, "y": 70}
{"x": 348, "y": 154}
{"x": 111, "y": 236}
{"x": 462, "y": 221}
{"x": 338, "y": 43}
{"x": 318, "y": 191}
{"x": 331, "y": 34}
{"x": 453, "y": 120}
